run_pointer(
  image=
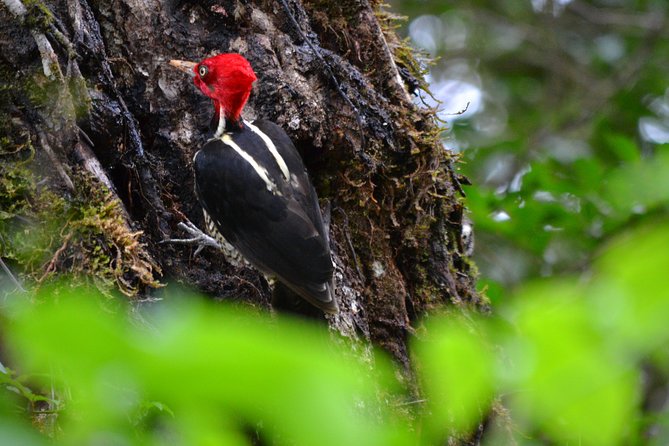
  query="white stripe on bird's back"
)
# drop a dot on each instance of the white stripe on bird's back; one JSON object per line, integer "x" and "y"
{"x": 272, "y": 148}
{"x": 261, "y": 171}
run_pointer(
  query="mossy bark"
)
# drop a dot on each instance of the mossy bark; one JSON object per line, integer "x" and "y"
{"x": 336, "y": 78}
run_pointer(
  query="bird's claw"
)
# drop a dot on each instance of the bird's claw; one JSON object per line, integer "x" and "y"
{"x": 198, "y": 238}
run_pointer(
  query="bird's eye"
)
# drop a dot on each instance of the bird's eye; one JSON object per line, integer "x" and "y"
{"x": 203, "y": 70}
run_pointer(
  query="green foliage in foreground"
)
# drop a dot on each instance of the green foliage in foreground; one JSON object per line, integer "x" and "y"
{"x": 563, "y": 365}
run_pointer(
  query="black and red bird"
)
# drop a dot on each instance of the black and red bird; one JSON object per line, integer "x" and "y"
{"x": 254, "y": 188}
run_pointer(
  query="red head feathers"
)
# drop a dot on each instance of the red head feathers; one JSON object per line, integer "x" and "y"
{"x": 226, "y": 78}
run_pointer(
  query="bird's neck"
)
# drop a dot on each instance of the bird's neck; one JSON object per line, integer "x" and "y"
{"x": 224, "y": 121}
{"x": 228, "y": 105}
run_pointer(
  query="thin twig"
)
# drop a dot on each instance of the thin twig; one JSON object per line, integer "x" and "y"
{"x": 12, "y": 278}
{"x": 52, "y": 263}
{"x": 412, "y": 402}
{"x": 652, "y": 20}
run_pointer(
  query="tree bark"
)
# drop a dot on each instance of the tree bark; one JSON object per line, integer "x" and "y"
{"x": 100, "y": 97}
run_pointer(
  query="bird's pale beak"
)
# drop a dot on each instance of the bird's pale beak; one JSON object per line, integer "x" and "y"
{"x": 183, "y": 65}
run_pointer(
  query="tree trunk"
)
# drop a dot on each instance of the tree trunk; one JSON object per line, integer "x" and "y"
{"x": 88, "y": 85}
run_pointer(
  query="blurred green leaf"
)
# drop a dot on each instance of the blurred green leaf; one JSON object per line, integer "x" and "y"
{"x": 15, "y": 430}
{"x": 567, "y": 382}
{"x": 565, "y": 356}
{"x": 625, "y": 149}
{"x": 456, "y": 369}
{"x": 636, "y": 188}
{"x": 286, "y": 376}
{"x": 16, "y": 433}
{"x": 631, "y": 295}
{"x": 491, "y": 289}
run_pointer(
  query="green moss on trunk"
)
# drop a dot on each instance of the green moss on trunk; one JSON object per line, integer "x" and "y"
{"x": 44, "y": 234}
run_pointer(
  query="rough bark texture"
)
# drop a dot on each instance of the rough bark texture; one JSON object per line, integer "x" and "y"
{"x": 110, "y": 105}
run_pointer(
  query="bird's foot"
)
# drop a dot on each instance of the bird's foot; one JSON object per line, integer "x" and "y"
{"x": 197, "y": 237}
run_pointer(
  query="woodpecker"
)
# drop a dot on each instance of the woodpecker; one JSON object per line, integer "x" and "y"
{"x": 254, "y": 189}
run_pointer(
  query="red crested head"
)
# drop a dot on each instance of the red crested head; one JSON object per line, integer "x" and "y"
{"x": 226, "y": 78}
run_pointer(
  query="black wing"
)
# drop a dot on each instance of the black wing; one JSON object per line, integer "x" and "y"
{"x": 276, "y": 225}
